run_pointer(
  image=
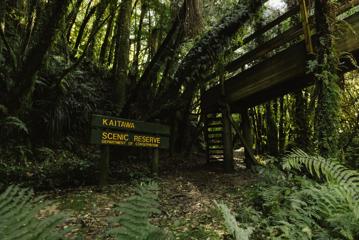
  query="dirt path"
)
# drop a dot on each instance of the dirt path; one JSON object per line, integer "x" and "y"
{"x": 187, "y": 203}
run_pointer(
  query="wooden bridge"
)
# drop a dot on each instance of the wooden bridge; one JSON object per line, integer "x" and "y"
{"x": 274, "y": 68}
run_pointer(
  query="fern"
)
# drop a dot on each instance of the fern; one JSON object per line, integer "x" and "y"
{"x": 317, "y": 206}
{"x": 231, "y": 224}
{"x": 136, "y": 211}
{"x": 14, "y": 122}
{"x": 332, "y": 171}
{"x": 19, "y": 217}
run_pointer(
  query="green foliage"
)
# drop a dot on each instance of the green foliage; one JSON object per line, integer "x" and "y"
{"x": 44, "y": 168}
{"x": 19, "y": 217}
{"x": 15, "y": 122}
{"x": 136, "y": 211}
{"x": 286, "y": 206}
{"x": 232, "y": 225}
{"x": 11, "y": 129}
{"x": 332, "y": 170}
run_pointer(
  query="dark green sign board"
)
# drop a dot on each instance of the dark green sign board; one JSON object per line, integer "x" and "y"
{"x": 125, "y": 132}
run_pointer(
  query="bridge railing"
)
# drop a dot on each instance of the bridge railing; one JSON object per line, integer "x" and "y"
{"x": 277, "y": 43}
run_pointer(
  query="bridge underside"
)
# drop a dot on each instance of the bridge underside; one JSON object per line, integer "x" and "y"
{"x": 281, "y": 74}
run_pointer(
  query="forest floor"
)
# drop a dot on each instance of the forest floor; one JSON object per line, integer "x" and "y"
{"x": 186, "y": 196}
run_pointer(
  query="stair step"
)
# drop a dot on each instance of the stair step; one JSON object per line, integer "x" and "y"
{"x": 216, "y": 152}
{"x": 217, "y": 125}
{"x": 215, "y": 131}
{"x": 215, "y": 143}
{"x": 216, "y": 155}
{"x": 213, "y": 137}
{"x": 216, "y": 149}
{"x": 214, "y": 118}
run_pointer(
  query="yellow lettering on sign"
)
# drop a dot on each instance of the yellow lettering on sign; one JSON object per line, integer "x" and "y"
{"x": 146, "y": 139}
{"x": 115, "y": 136}
{"x": 117, "y": 123}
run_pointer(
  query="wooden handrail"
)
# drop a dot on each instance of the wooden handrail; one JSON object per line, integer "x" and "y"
{"x": 275, "y": 42}
{"x": 293, "y": 11}
{"x": 348, "y": 6}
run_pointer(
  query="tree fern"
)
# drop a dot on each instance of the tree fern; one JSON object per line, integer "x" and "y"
{"x": 19, "y": 217}
{"x": 136, "y": 211}
{"x": 331, "y": 170}
{"x": 231, "y": 224}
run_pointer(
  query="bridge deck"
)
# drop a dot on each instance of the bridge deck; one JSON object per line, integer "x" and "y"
{"x": 283, "y": 73}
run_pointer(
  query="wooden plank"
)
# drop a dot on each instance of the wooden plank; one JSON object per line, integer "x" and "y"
{"x": 129, "y": 139}
{"x": 217, "y": 125}
{"x": 216, "y": 137}
{"x": 109, "y": 122}
{"x": 215, "y": 131}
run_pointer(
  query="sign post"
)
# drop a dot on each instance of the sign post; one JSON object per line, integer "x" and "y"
{"x": 107, "y": 131}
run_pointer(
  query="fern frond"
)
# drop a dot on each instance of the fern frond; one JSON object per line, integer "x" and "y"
{"x": 330, "y": 203}
{"x": 231, "y": 224}
{"x": 331, "y": 170}
{"x": 19, "y": 217}
{"x": 135, "y": 214}
{"x": 15, "y": 122}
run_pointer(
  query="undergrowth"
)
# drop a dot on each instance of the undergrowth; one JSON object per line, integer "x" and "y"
{"x": 309, "y": 198}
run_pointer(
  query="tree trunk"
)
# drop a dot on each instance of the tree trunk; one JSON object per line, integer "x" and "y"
{"x": 82, "y": 29}
{"x": 248, "y": 136}
{"x": 301, "y": 129}
{"x": 106, "y": 41}
{"x": 272, "y": 131}
{"x": 99, "y": 17}
{"x": 20, "y": 96}
{"x": 328, "y": 109}
{"x": 71, "y": 18}
{"x": 135, "y": 64}
{"x": 282, "y": 126}
{"x": 120, "y": 66}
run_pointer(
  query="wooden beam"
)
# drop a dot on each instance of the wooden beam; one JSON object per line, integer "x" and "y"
{"x": 241, "y": 137}
{"x": 348, "y": 6}
{"x": 306, "y": 28}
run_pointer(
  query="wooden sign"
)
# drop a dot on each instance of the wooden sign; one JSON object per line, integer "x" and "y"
{"x": 125, "y": 132}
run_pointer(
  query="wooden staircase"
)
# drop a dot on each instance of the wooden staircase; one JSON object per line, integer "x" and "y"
{"x": 214, "y": 137}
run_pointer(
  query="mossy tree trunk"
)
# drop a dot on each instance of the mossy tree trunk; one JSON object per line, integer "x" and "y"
{"x": 328, "y": 109}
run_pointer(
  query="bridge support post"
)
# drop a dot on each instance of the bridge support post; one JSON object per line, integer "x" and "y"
{"x": 227, "y": 141}
{"x": 248, "y": 136}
